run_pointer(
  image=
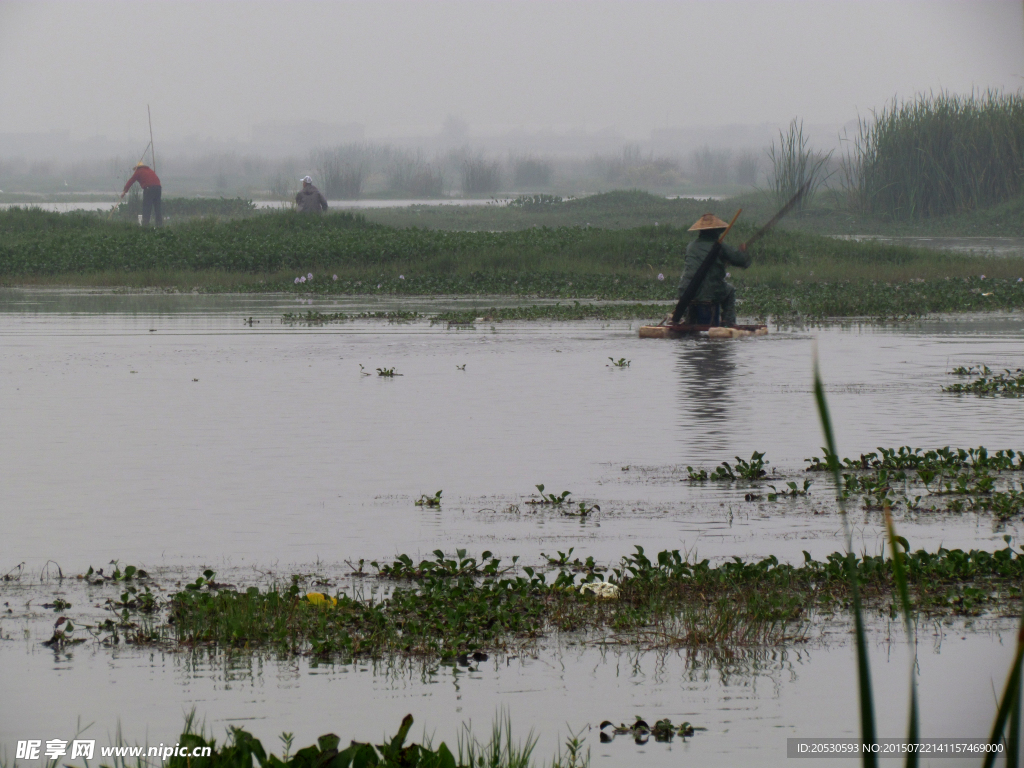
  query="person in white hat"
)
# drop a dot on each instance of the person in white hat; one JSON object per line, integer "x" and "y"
{"x": 714, "y": 289}
{"x": 310, "y": 199}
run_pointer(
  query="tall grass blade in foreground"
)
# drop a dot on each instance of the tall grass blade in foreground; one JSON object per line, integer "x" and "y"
{"x": 867, "y": 707}
{"x": 1010, "y": 702}
{"x": 899, "y": 547}
{"x": 1009, "y": 707}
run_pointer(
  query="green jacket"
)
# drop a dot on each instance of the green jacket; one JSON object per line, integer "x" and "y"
{"x": 714, "y": 282}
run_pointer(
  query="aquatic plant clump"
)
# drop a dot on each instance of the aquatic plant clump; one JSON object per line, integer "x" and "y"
{"x": 983, "y": 381}
{"x": 243, "y": 750}
{"x": 460, "y": 609}
{"x": 744, "y": 470}
{"x": 952, "y": 480}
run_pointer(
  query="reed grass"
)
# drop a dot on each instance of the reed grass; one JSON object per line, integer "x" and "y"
{"x": 794, "y": 164}
{"x": 938, "y": 154}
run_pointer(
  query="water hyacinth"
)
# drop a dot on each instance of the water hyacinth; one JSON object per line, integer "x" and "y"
{"x": 310, "y": 275}
{"x": 335, "y": 277}
{"x": 661, "y": 276}
{"x": 401, "y": 277}
{"x": 296, "y": 281}
{"x": 302, "y": 279}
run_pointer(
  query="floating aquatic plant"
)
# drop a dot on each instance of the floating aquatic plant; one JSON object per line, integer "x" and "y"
{"x": 753, "y": 469}
{"x": 549, "y": 498}
{"x": 1009, "y": 383}
{"x": 429, "y": 501}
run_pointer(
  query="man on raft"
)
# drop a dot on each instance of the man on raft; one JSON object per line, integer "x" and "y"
{"x": 714, "y": 289}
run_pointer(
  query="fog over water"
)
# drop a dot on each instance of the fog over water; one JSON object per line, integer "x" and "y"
{"x": 394, "y": 69}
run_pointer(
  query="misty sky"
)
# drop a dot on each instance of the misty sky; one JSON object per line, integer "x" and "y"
{"x": 216, "y": 68}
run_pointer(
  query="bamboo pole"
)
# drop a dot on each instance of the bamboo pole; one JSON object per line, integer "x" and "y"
{"x": 152, "y": 148}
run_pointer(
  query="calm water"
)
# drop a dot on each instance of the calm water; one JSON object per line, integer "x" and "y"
{"x": 341, "y": 204}
{"x": 161, "y": 431}
{"x": 981, "y": 246}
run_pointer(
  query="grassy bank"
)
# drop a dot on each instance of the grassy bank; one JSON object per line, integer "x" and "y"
{"x": 827, "y": 214}
{"x": 795, "y": 274}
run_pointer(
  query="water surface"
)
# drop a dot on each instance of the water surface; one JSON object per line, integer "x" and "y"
{"x": 165, "y": 431}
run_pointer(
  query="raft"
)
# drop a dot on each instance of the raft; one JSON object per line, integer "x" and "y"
{"x": 689, "y": 329}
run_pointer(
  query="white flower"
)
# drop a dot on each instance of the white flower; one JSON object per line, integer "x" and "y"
{"x": 302, "y": 279}
{"x": 335, "y": 277}
{"x": 661, "y": 276}
{"x": 296, "y": 281}
{"x": 401, "y": 277}
{"x": 727, "y": 274}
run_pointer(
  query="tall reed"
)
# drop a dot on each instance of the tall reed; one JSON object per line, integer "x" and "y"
{"x": 938, "y": 154}
{"x": 794, "y": 164}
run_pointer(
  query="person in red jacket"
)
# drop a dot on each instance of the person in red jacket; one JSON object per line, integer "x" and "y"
{"x": 150, "y": 184}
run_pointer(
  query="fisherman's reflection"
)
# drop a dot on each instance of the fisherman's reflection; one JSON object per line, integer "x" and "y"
{"x": 706, "y": 371}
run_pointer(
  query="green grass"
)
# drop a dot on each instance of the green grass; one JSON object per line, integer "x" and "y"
{"x": 826, "y": 214}
{"x": 175, "y": 208}
{"x": 794, "y": 274}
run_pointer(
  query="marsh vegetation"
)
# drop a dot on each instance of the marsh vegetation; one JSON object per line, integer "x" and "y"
{"x": 794, "y": 274}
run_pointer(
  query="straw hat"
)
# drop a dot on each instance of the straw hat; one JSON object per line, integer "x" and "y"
{"x": 708, "y": 221}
